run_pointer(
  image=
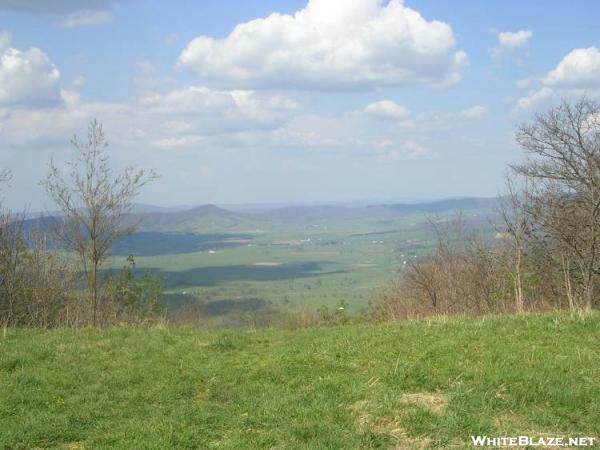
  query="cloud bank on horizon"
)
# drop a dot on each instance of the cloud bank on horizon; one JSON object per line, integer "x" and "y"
{"x": 327, "y": 100}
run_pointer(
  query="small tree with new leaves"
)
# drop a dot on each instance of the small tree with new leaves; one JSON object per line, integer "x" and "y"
{"x": 93, "y": 201}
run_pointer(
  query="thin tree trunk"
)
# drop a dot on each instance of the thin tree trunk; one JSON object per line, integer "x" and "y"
{"x": 95, "y": 291}
{"x": 568, "y": 288}
{"x": 589, "y": 295}
{"x": 518, "y": 281}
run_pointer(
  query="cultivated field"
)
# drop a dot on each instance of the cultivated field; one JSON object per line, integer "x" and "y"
{"x": 255, "y": 269}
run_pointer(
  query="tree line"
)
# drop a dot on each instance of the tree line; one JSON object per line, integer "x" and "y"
{"x": 546, "y": 251}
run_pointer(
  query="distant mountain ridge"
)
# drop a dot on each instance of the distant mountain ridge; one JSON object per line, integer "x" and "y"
{"x": 214, "y": 218}
{"x": 465, "y": 203}
{"x": 309, "y": 213}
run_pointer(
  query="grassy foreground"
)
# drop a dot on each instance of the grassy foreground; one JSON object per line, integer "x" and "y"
{"x": 427, "y": 384}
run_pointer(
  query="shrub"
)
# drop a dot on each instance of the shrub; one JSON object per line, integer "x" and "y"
{"x": 131, "y": 298}
{"x": 36, "y": 284}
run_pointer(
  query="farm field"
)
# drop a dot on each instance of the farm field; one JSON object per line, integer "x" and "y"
{"x": 255, "y": 269}
{"x": 423, "y": 384}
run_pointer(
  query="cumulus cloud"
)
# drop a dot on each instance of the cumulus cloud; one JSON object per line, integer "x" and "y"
{"x": 86, "y": 18}
{"x": 512, "y": 45}
{"x": 535, "y": 98}
{"x": 180, "y": 119}
{"x": 227, "y": 108}
{"x": 514, "y": 40}
{"x": 580, "y": 68}
{"x": 387, "y": 108}
{"x": 577, "y": 73}
{"x": 27, "y": 78}
{"x": 475, "y": 112}
{"x": 331, "y": 44}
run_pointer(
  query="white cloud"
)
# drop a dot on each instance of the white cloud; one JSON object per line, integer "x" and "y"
{"x": 242, "y": 108}
{"x": 406, "y": 151}
{"x": 580, "y": 68}
{"x": 387, "y": 108}
{"x": 86, "y": 18}
{"x": 69, "y": 97}
{"x": 511, "y": 45}
{"x": 576, "y": 74}
{"x": 313, "y": 131}
{"x": 535, "y": 99}
{"x": 362, "y": 133}
{"x": 331, "y": 43}
{"x": 181, "y": 132}
{"x": 475, "y": 112}
{"x": 514, "y": 40}
{"x": 27, "y": 78}
{"x": 196, "y": 117}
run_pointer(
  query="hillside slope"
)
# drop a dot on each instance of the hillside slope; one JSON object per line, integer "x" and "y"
{"x": 204, "y": 217}
{"x": 429, "y": 384}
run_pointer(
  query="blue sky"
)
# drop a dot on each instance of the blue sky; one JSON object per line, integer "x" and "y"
{"x": 328, "y": 100}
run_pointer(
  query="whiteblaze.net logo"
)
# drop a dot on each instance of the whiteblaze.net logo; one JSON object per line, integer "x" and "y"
{"x": 520, "y": 441}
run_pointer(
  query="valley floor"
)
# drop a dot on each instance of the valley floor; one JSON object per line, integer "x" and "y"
{"x": 425, "y": 384}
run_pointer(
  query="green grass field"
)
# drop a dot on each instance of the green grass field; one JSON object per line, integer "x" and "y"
{"x": 426, "y": 384}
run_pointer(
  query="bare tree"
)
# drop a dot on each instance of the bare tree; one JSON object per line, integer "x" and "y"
{"x": 563, "y": 170}
{"x": 5, "y": 253}
{"x": 93, "y": 201}
{"x": 548, "y": 244}
{"x": 518, "y": 229}
{"x": 12, "y": 249}
{"x": 35, "y": 283}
